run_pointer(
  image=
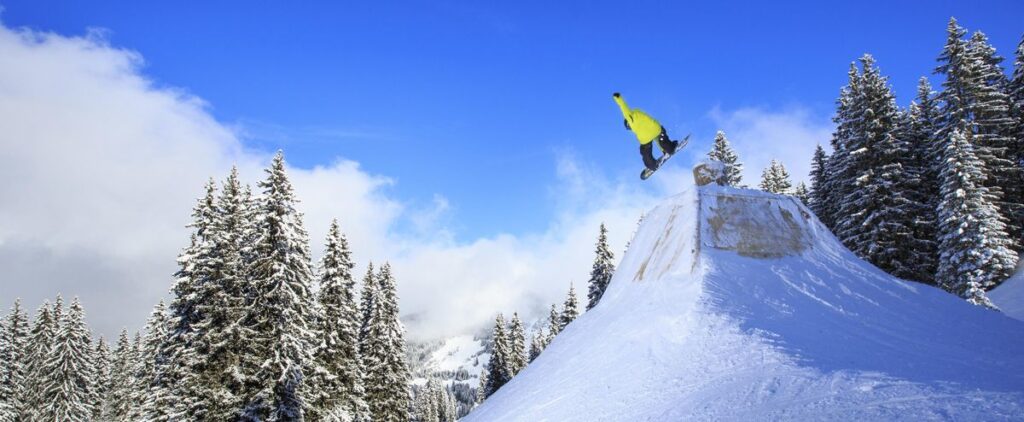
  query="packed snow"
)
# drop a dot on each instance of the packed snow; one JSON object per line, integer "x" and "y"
{"x": 1009, "y": 296}
{"x": 739, "y": 305}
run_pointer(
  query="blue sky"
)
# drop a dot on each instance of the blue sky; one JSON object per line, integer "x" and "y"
{"x": 464, "y": 99}
{"x": 474, "y": 147}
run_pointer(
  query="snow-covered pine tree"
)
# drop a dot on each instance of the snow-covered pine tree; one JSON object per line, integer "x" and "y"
{"x": 974, "y": 101}
{"x": 536, "y": 345}
{"x": 926, "y": 153}
{"x": 880, "y": 210}
{"x": 70, "y": 370}
{"x": 818, "y": 196}
{"x": 386, "y": 379}
{"x": 58, "y": 312}
{"x": 186, "y": 363}
{"x": 499, "y": 367}
{"x": 281, "y": 315}
{"x": 516, "y": 345}
{"x": 924, "y": 113}
{"x": 722, "y": 151}
{"x": 221, "y": 340}
{"x": 974, "y": 253}
{"x": 14, "y": 337}
{"x": 570, "y": 309}
{"x": 367, "y": 301}
{"x": 434, "y": 403}
{"x": 101, "y": 385}
{"x": 1016, "y": 91}
{"x": 426, "y": 403}
{"x": 117, "y": 404}
{"x": 37, "y": 352}
{"x": 6, "y": 367}
{"x": 839, "y": 177}
{"x": 801, "y": 193}
{"x": 447, "y": 409}
{"x": 154, "y": 398}
{"x": 775, "y": 179}
{"x": 603, "y": 269}
{"x": 995, "y": 128}
{"x": 554, "y": 325}
{"x": 340, "y": 383}
{"x": 481, "y": 389}
{"x": 7, "y": 409}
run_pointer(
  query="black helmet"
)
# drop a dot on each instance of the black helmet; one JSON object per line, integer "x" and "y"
{"x": 625, "y": 122}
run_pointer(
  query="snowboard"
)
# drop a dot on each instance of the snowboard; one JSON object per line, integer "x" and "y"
{"x": 664, "y": 157}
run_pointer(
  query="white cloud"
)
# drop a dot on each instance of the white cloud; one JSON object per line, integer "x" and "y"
{"x": 102, "y": 167}
{"x": 760, "y": 135}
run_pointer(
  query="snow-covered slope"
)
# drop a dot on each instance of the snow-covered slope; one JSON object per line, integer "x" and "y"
{"x": 1009, "y": 296}
{"x": 453, "y": 359}
{"x": 739, "y": 305}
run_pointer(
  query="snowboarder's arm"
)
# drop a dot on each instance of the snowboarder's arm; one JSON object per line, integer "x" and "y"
{"x": 622, "y": 105}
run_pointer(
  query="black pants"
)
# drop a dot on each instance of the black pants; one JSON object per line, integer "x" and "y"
{"x": 647, "y": 150}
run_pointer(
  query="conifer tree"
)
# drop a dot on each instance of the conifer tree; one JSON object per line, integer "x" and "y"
{"x": 1016, "y": 91}
{"x": 14, "y": 343}
{"x": 68, "y": 387}
{"x": 818, "y": 196}
{"x": 58, "y": 312}
{"x": 499, "y": 367}
{"x": 995, "y": 128}
{"x": 840, "y": 173}
{"x": 117, "y": 405}
{"x": 386, "y": 378}
{"x": 340, "y": 384}
{"x": 101, "y": 385}
{"x": 925, "y": 118}
{"x": 975, "y": 252}
{"x": 603, "y": 269}
{"x": 570, "y": 309}
{"x": 154, "y": 398}
{"x": 516, "y": 345}
{"x": 434, "y": 403}
{"x": 974, "y": 101}
{"x": 367, "y": 301}
{"x": 187, "y": 364}
{"x": 722, "y": 151}
{"x": 6, "y": 367}
{"x": 37, "y": 352}
{"x": 481, "y": 389}
{"x": 926, "y": 154}
{"x": 426, "y": 404}
{"x": 775, "y": 179}
{"x": 281, "y": 315}
{"x": 554, "y": 325}
{"x": 536, "y": 345}
{"x": 220, "y": 342}
{"x": 882, "y": 204}
{"x": 447, "y": 409}
{"x": 801, "y": 193}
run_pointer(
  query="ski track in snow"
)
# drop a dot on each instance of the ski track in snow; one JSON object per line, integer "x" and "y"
{"x": 702, "y": 323}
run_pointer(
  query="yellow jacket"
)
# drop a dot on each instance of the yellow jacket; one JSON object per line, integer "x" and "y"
{"x": 644, "y": 126}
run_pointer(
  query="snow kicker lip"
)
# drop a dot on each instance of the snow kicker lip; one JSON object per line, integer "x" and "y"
{"x": 755, "y": 225}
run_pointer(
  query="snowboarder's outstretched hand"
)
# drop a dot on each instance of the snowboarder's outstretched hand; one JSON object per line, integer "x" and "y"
{"x": 616, "y": 95}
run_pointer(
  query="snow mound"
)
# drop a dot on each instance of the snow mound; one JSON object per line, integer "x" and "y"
{"x": 1009, "y": 296}
{"x": 739, "y": 305}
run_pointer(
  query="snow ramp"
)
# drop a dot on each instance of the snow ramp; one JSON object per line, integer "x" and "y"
{"x": 739, "y": 305}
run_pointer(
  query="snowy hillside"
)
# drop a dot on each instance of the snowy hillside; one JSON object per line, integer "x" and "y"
{"x": 1009, "y": 296}
{"x": 739, "y": 305}
{"x": 453, "y": 359}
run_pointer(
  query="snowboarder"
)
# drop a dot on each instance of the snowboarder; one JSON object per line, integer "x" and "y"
{"x": 647, "y": 130}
